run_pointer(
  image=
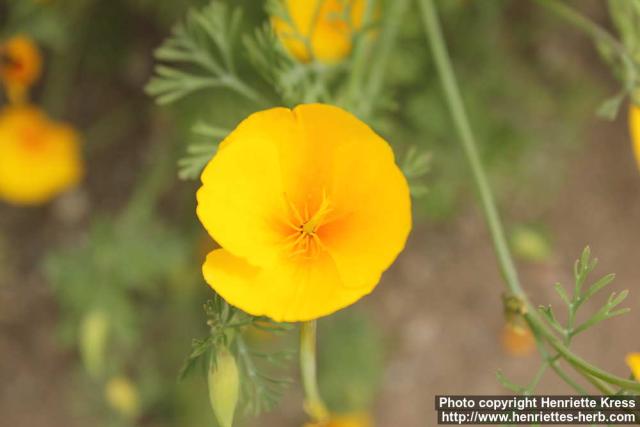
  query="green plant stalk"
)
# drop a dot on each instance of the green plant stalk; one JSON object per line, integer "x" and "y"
{"x": 552, "y": 361}
{"x": 313, "y": 403}
{"x": 358, "y": 67}
{"x": 388, "y": 35}
{"x": 461, "y": 122}
{"x": 594, "y": 31}
{"x": 505, "y": 261}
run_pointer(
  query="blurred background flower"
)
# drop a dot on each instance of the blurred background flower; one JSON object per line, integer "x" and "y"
{"x": 633, "y": 360}
{"x": 329, "y": 26}
{"x": 634, "y": 126}
{"x": 20, "y": 66}
{"x": 39, "y": 158}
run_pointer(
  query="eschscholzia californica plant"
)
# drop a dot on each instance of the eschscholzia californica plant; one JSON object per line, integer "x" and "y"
{"x": 39, "y": 158}
{"x": 309, "y": 208}
{"x": 633, "y": 360}
{"x": 634, "y": 128}
{"x": 359, "y": 419}
{"x": 20, "y": 67}
{"x": 320, "y": 29}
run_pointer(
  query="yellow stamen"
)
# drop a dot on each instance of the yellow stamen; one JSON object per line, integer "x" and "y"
{"x": 305, "y": 240}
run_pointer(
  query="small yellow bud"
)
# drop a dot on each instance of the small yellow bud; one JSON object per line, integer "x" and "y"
{"x": 224, "y": 386}
{"x": 94, "y": 332}
{"x": 122, "y": 396}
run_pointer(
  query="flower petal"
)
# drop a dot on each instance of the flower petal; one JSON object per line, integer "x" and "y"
{"x": 241, "y": 200}
{"x": 285, "y": 292}
{"x": 371, "y": 215}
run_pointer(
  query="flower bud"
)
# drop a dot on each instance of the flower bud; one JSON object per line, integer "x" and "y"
{"x": 517, "y": 340}
{"x": 94, "y": 331}
{"x": 122, "y": 396}
{"x": 224, "y": 386}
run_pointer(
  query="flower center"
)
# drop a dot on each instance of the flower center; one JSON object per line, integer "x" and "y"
{"x": 31, "y": 139}
{"x": 304, "y": 239}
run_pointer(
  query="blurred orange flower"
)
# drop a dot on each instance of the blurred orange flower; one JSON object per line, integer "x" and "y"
{"x": 309, "y": 208}
{"x": 20, "y": 66}
{"x": 360, "y": 419}
{"x": 633, "y": 360}
{"x": 320, "y": 29}
{"x": 39, "y": 158}
{"x": 517, "y": 340}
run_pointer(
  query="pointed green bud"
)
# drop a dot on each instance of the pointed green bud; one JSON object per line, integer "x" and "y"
{"x": 224, "y": 386}
{"x": 94, "y": 332}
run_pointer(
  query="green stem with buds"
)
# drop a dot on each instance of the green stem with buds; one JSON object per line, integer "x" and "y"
{"x": 505, "y": 260}
{"x": 313, "y": 403}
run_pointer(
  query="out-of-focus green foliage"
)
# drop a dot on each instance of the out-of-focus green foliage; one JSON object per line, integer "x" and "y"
{"x": 351, "y": 362}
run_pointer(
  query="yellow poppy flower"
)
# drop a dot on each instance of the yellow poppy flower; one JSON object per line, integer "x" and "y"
{"x": 634, "y": 128}
{"x": 518, "y": 340}
{"x": 349, "y": 420}
{"x": 309, "y": 208}
{"x": 633, "y": 360}
{"x": 320, "y": 29}
{"x": 20, "y": 66}
{"x": 39, "y": 158}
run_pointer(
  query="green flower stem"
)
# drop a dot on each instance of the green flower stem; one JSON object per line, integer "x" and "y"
{"x": 387, "y": 39}
{"x": 359, "y": 62}
{"x": 313, "y": 404}
{"x": 600, "y": 385}
{"x": 459, "y": 116}
{"x": 596, "y": 32}
{"x": 506, "y": 264}
{"x": 552, "y": 361}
